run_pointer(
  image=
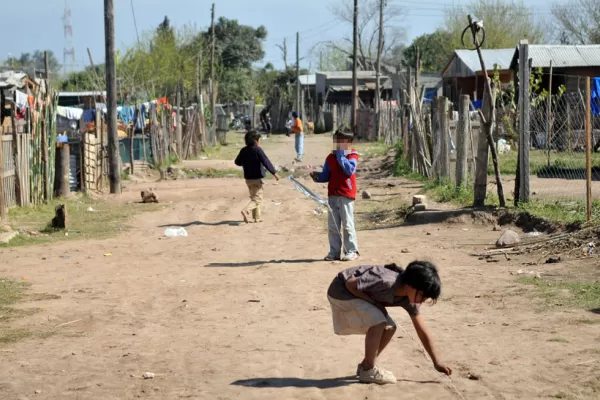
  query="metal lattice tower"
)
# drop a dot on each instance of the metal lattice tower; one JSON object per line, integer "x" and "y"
{"x": 69, "y": 50}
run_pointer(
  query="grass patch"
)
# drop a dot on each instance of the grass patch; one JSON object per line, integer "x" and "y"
{"x": 538, "y": 161}
{"x": 380, "y": 214}
{"x": 561, "y": 211}
{"x": 553, "y": 294}
{"x": 213, "y": 173}
{"x": 235, "y": 142}
{"x": 446, "y": 192}
{"x": 12, "y": 292}
{"x": 373, "y": 149}
{"x": 108, "y": 219}
{"x": 558, "y": 340}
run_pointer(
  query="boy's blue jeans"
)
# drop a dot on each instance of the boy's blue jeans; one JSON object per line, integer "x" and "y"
{"x": 341, "y": 218}
{"x": 300, "y": 145}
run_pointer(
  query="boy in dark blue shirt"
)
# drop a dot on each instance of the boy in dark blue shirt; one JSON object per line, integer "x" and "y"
{"x": 254, "y": 161}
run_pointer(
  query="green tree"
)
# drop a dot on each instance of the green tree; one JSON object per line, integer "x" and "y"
{"x": 578, "y": 21}
{"x": 332, "y": 56}
{"x": 162, "y": 61}
{"x": 435, "y": 50}
{"x": 30, "y": 62}
{"x": 237, "y": 46}
{"x": 506, "y": 22}
{"x": 86, "y": 80}
{"x": 236, "y": 85}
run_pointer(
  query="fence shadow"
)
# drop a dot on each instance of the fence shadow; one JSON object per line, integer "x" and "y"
{"x": 258, "y": 263}
{"x": 201, "y": 223}
{"x": 567, "y": 173}
{"x": 329, "y": 383}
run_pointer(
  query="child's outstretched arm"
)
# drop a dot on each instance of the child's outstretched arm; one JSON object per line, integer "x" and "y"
{"x": 348, "y": 164}
{"x": 267, "y": 163}
{"x": 427, "y": 341}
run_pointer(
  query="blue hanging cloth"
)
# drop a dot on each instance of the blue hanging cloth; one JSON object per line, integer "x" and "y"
{"x": 595, "y": 97}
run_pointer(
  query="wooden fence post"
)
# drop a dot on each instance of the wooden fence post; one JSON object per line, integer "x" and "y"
{"x": 61, "y": 185}
{"x": 435, "y": 137}
{"x": 3, "y": 207}
{"x": 15, "y": 146}
{"x": 462, "y": 133}
{"x": 482, "y": 157}
{"x": 524, "y": 109}
{"x": 588, "y": 148}
{"x": 444, "y": 165}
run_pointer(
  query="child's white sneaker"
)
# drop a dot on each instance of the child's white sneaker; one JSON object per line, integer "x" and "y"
{"x": 350, "y": 257}
{"x": 376, "y": 375}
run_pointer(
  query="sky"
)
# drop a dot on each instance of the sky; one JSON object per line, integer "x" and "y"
{"x": 282, "y": 18}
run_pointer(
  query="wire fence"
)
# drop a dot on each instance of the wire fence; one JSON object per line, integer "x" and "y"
{"x": 558, "y": 150}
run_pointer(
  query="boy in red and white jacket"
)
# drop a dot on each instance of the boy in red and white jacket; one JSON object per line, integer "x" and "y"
{"x": 339, "y": 171}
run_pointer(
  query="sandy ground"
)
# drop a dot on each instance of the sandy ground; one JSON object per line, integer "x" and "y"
{"x": 240, "y": 311}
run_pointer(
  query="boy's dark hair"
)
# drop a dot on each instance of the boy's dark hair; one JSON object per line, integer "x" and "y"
{"x": 421, "y": 275}
{"x": 344, "y": 134}
{"x": 251, "y": 138}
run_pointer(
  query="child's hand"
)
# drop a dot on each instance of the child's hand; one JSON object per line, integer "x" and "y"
{"x": 314, "y": 175}
{"x": 443, "y": 369}
{"x": 277, "y": 177}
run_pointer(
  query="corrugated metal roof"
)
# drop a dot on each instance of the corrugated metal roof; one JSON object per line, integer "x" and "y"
{"x": 10, "y": 79}
{"x": 562, "y": 56}
{"x": 466, "y": 62}
{"x": 348, "y": 74}
{"x": 81, "y": 94}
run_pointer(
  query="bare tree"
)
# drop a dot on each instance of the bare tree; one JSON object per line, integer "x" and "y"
{"x": 505, "y": 21}
{"x": 284, "y": 52}
{"x": 368, "y": 30}
{"x": 579, "y": 21}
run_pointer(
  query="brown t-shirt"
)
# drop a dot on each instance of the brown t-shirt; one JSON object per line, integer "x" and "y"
{"x": 378, "y": 282}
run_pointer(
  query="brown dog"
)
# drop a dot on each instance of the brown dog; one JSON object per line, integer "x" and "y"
{"x": 310, "y": 128}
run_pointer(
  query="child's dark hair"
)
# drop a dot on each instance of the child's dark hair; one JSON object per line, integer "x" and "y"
{"x": 251, "y": 138}
{"x": 421, "y": 275}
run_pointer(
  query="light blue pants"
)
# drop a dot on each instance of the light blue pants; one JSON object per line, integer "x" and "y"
{"x": 300, "y": 145}
{"x": 341, "y": 218}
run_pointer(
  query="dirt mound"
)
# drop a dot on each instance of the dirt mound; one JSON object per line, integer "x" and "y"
{"x": 531, "y": 223}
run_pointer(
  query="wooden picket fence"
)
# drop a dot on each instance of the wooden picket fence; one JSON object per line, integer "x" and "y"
{"x": 9, "y": 198}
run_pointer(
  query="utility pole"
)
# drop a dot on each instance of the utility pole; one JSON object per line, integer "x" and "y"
{"x": 354, "y": 114}
{"x": 378, "y": 72}
{"x": 114, "y": 160}
{"x": 298, "y": 105}
{"x": 213, "y": 106}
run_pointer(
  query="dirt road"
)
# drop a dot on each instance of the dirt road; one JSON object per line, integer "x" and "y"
{"x": 240, "y": 311}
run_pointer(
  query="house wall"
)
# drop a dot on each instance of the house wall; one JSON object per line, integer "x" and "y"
{"x": 474, "y": 86}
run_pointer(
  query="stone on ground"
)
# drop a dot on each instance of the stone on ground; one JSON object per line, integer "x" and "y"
{"x": 509, "y": 238}
{"x": 366, "y": 195}
{"x": 6, "y": 237}
{"x": 419, "y": 199}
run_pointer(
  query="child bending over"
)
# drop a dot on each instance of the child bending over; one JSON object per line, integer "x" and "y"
{"x": 359, "y": 296}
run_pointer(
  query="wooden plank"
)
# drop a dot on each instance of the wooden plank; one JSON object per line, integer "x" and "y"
{"x": 15, "y": 147}
{"x": 524, "y": 122}
{"x": 444, "y": 167}
{"x": 481, "y": 162}
{"x": 462, "y": 141}
{"x": 3, "y": 205}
